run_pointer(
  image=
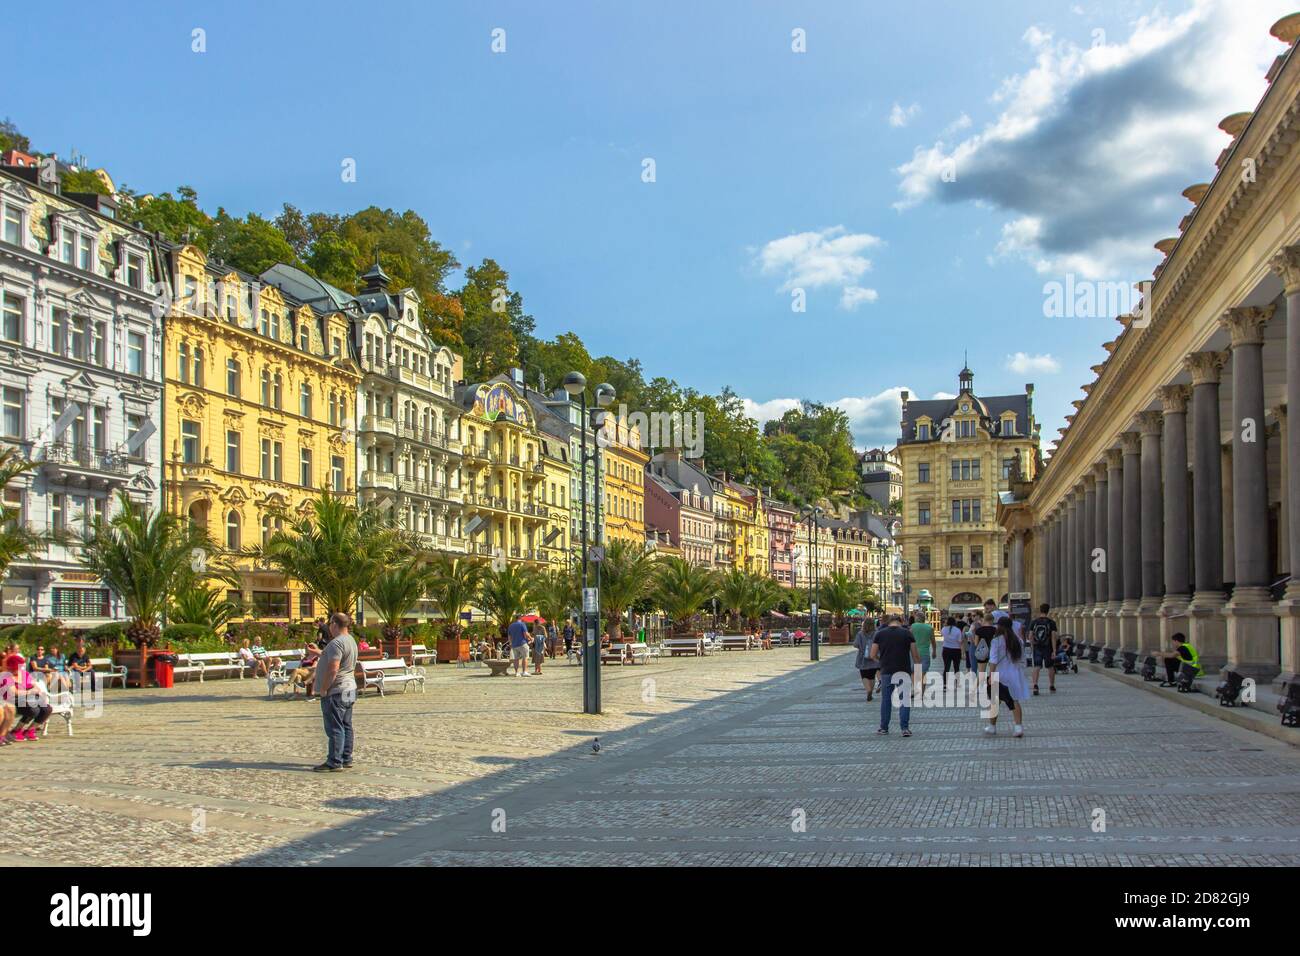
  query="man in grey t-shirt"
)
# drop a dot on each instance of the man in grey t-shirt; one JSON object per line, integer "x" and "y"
{"x": 336, "y": 685}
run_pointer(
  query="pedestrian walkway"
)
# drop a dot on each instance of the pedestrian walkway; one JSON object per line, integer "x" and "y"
{"x": 745, "y": 759}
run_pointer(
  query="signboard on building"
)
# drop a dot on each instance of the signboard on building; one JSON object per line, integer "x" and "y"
{"x": 16, "y": 603}
{"x": 1020, "y": 607}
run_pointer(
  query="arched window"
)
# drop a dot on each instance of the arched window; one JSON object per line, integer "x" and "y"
{"x": 232, "y": 531}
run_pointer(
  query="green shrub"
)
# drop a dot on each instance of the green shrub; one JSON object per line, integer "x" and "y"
{"x": 12, "y": 632}
{"x": 179, "y": 633}
{"x": 111, "y": 634}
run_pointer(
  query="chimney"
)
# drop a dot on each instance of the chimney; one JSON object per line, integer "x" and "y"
{"x": 517, "y": 377}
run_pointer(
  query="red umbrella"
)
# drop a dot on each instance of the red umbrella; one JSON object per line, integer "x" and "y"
{"x": 533, "y": 619}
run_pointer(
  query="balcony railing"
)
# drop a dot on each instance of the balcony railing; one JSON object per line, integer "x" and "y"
{"x": 86, "y": 457}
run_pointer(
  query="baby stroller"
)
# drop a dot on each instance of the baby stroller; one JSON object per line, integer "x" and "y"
{"x": 1064, "y": 660}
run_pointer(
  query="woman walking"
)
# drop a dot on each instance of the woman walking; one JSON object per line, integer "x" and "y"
{"x": 1007, "y": 660}
{"x": 953, "y": 643}
{"x": 867, "y": 668}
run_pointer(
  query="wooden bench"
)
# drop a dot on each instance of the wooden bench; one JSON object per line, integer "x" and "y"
{"x": 111, "y": 671}
{"x": 683, "y": 645}
{"x": 420, "y": 654}
{"x": 393, "y": 672}
{"x": 734, "y": 642}
{"x": 202, "y": 664}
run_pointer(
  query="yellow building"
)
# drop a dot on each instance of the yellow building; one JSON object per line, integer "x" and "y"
{"x": 558, "y": 471}
{"x": 623, "y": 510}
{"x": 506, "y": 478}
{"x": 259, "y": 393}
{"x": 743, "y": 536}
{"x": 957, "y": 455}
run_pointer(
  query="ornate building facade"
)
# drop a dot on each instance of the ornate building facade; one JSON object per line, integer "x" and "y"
{"x": 80, "y": 382}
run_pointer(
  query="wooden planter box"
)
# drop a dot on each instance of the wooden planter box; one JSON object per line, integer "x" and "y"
{"x": 837, "y": 635}
{"x": 139, "y": 663}
{"x": 401, "y": 647}
{"x": 370, "y": 654}
{"x": 451, "y": 650}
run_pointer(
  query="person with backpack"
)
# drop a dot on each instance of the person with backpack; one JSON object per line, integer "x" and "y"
{"x": 1043, "y": 631}
{"x": 1007, "y": 660}
{"x": 867, "y": 667}
{"x": 984, "y": 633}
{"x": 894, "y": 648}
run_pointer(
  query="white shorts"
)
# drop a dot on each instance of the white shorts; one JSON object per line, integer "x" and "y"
{"x": 519, "y": 653}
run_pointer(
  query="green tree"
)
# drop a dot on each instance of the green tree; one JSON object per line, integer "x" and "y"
{"x": 18, "y": 541}
{"x": 734, "y": 593}
{"x": 178, "y": 217}
{"x": 11, "y": 138}
{"x": 397, "y": 589}
{"x": 839, "y": 593}
{"x": 555, "y": 592}
{"x": 681, "y": 590}
{"x": 146, "y": 558}
{"x": 503, "y": 594}
{"x": 625, "y": 576}
{"x": 494, "y": 320}
{"x": 252, "y": 244}
{"x": 83, "y": 181}
{"x": 764, "y": 595}
{"x": 453, "y": 584}
{"x": 337, "y": 551}
{"x": 199, "y": 604}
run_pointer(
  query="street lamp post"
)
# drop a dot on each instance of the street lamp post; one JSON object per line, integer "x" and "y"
{"x": 575, "y": 384}
{"x": 814, "y": 646}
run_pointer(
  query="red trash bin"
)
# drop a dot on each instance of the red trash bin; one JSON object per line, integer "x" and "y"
{"x": 162, "y": 672}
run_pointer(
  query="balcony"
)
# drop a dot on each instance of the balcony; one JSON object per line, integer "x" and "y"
{"x": 379, "y": 424}
{"x": 378, "y": 479}
{"x": 64, "y": 459}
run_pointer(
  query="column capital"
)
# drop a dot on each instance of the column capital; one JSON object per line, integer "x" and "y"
{"x": 1150, "y": 422}
{"x": 1286, "y": 263}
{"x": 1099, "y": 470}
{"x": 1089, "y": 481}
{"x": 1246, "y": 324}
{"x": 1205, "y": 366}
{"x": 1132, "y": 442}
{"x": 1114, "y": 458}
{"x": 1173, "y": 399}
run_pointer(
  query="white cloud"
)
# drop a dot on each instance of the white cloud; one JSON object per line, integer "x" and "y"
{"x": 828, "y": 257}
{"x": 873, "y": 419}
{"x": 1095, "y": 141}
{"x": 1023, "y": 363}
{"x": 901, "y": 115}
{"x": 941, "y": 396}
{"x": 960, "y": 123}
{"x": 854, "y": 295}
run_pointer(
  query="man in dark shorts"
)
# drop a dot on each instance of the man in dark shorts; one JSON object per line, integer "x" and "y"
{"x": 1044, "y": 640}
{"x": 895, "y": 648}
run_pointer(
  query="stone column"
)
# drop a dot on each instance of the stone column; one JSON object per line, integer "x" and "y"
{"x": 1252, "y": 620}
{"x": 1100, "y": 579}
{"x": 1054, "y": 560}
{"x": 1132, "y": 541}
{"x": 1076, "y": 560}
{"x": 1153, "y": 534}
{"x": 1287, "y": 264}
{"x": 1086, "y": 531}
{"x": 1173, "y": 609}
{"x": 1225, "y": 473}
{"x": 1207, "y": 628}
{"x": 1115, "y": 558}
{"x": 1067, "y": 565}
{"x": 1017, "y": 576}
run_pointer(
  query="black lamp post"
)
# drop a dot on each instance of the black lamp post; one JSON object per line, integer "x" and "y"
{"x": 575, "y": 384}
{"x": 814, "y": 648}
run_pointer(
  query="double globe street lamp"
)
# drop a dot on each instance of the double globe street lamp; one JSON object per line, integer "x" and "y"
{"x": 575, "y": 384}
{"x": 813, "y": 514}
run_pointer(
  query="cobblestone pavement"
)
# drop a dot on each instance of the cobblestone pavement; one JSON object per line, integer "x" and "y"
{"x": 744, "y": 758}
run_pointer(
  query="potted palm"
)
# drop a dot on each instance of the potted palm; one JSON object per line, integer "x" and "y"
{"x": 453, "y": 584}
{"x": 680, "y": 590}
{"x": 146, "y": 559}
{"x": 555, "y": 593}
{"x": 393, "y": 594}
{"x": 764, "y": 595}
{"x": 625, "y": 576}
{"x": 733, "y": 593}
{"x": 839, "y": 593}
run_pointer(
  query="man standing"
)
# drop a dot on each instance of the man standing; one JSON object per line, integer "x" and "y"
{"x": 923, "y": 631}
{"x": 519, "y": 642}
{"x": 1043, "y": 631}
{"x": 336, "y": 685}
{"x": 895, "y": 648}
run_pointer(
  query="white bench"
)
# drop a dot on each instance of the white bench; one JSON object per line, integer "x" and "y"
{"x": 734, "y": 642}
{"x": 203, "y": 663}
{"x": 281, "y": 675}
{"x": 60, "y": 706}
{"x": 652, "y": 652}
{"x": 619, "y": 653}
{"x": 111, "y": 671}
{"x": 394, "y": 672}
{"x": 420, "y": 654}
{"x": 684, "y": 645}
{"x": 708, "y": 645}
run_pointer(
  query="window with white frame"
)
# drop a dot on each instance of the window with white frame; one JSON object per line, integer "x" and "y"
{"x": 13, "y": 314}
{"x": 14, "y": 404}
{"x": 12, "y": 222}
{"x": 135, "y": 353}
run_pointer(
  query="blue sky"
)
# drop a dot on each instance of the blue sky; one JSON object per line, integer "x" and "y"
{"x": 1070, "y": 127}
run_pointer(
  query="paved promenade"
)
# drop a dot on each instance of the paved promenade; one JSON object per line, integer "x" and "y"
{"x": 751, "y": 758}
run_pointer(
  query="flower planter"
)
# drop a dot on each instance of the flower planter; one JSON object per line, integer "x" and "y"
{"x": 139, "y": 663}
{"x": 370, "y": 654}
{"x": 837, "y": 635}
{"x": 398, "y": 647}
{"x": 451, "y": 650}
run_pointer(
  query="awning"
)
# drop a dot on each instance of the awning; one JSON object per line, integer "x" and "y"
{"x": 778, "y": 614}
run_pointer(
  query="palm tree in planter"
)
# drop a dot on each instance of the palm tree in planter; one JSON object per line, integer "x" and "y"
{"x": 626, "y": 575}
{"x": 680, "y": 590}
{"x": 147, "y": 559}
{"x": 555, "y": 592}
{"x": 396, "y": 590}
{"x": 199, "y": 604}
{"x": 840, "y": 593}
{"x": 336, "y": 550}
{"x": 503, "y": 594}
{"x": 734, "y": 593}
{"x": 764, "y": 595}
{"x": 454, "y": 583}
{"x": 18, "y": 542}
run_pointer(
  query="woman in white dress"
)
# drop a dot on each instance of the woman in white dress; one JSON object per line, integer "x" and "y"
{"x": 1007, "y": 660}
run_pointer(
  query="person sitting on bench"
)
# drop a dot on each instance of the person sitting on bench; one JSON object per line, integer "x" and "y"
{"x": 1180, "y": 652}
